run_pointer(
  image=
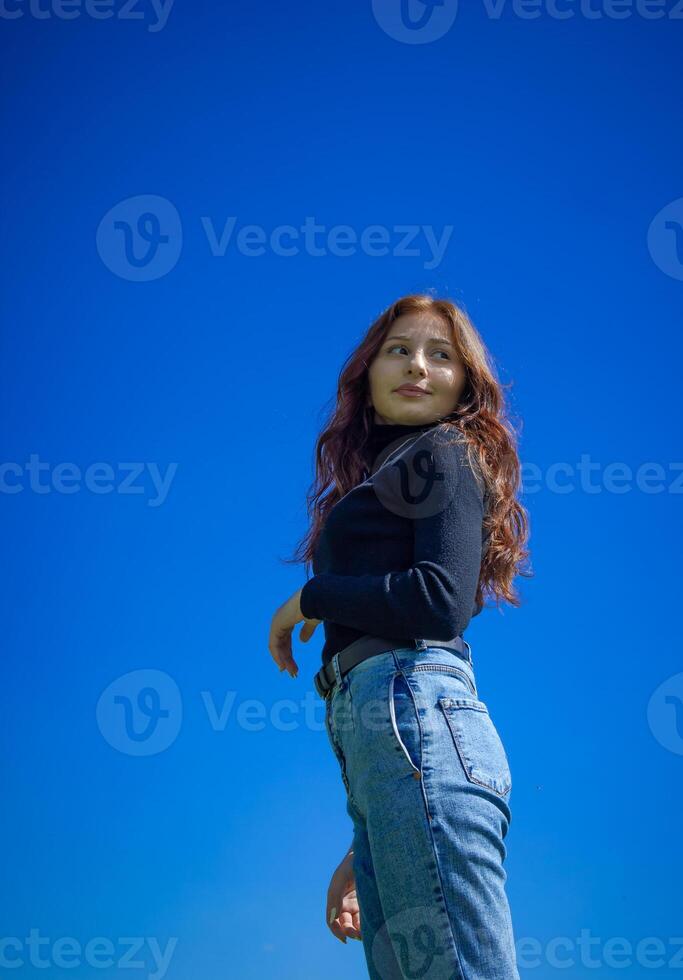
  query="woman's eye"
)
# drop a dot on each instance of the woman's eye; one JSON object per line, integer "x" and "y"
{"x": 403, "y": 347}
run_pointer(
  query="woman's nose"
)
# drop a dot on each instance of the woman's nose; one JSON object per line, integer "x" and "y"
{"x": 417, "y": 361}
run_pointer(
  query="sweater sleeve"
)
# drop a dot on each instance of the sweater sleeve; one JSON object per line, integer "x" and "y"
{"x": 435, "y": 597}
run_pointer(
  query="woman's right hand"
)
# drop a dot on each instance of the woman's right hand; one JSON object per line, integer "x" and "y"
{"x": 343, "y": 912}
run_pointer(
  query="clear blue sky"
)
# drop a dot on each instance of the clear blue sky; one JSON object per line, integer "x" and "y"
{"x": 198, "y": 369}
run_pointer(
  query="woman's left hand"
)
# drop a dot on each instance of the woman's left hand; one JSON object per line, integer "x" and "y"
{"x": 280, "y": 641}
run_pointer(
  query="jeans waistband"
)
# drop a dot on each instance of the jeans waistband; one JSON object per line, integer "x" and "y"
{"x": 369, "y": 646}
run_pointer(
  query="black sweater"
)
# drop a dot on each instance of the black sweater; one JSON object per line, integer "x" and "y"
{"x": 400, "y": 554}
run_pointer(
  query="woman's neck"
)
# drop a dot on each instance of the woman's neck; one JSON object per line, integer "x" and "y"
{"x": 382, "y": 433}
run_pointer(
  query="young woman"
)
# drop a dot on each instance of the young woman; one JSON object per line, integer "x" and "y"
{"x": 414, "y": 522}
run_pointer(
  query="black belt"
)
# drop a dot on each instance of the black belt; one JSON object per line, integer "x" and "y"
{"x": 368, "y": 646}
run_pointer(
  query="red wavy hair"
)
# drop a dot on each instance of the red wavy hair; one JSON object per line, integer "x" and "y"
{"x": 480, "y": 417}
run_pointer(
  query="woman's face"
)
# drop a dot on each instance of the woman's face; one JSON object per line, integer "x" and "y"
{"x": 417, "y": 350}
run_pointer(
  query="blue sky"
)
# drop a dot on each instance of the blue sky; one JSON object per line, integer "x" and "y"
{"x": 171, "y": 343}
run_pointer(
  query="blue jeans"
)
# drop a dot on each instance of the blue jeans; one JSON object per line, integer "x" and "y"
{"x": 428, "y": 786}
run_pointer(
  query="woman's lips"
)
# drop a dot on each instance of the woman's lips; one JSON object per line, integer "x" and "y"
{"x": 412, "y": 392}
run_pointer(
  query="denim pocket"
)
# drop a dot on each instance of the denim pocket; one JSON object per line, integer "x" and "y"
{"x": 478, "y": 743}
{"x": 448, "y": 670}
{"x": 404, "y": 720}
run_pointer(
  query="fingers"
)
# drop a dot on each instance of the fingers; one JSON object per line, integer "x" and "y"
{"x": 344, "y": 921}
{"x": 280, "y": 646}
{"x": 290, "y": 666}
{"x": 334, "y": 925}
{"x": 350, "y": 916}
{"x": 280, "y": 641}
{"x": 308, "y": 629}
{"x": 349, "y": 927}
{"x": 285, "y": 662}
{"x": 343, "y": 928}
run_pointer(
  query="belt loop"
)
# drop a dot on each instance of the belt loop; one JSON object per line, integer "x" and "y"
{"x": 319, "y": 687}
{"x": 337, "y": 672}
{"x": 420, "y": 644}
